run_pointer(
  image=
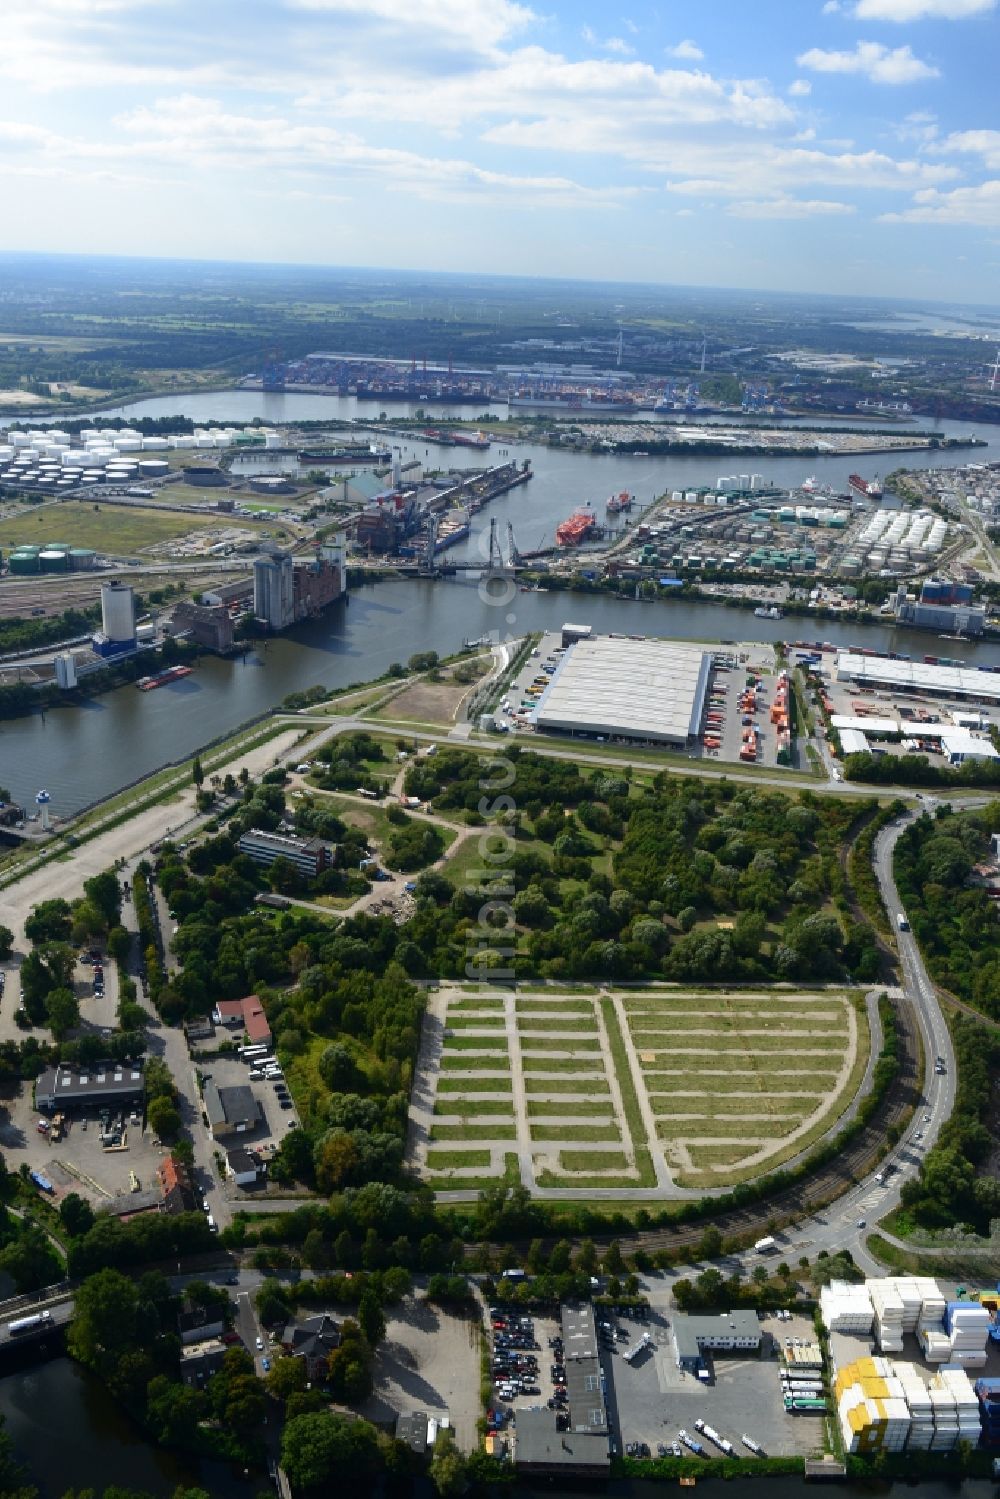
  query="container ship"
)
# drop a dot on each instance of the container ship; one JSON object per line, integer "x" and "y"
{"x": 172, "y": 674}
{"x": 870, "y": 489}
{"x": 452, "y": 528}
{"x": 570, "y": 533}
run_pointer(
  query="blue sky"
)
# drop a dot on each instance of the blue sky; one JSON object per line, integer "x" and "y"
{"x": 847, "y": 147}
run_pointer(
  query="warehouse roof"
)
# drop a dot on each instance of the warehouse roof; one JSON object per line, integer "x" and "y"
{"x": 638, "y": 689}
{"x": 853, "y": 742}
{"x": 920, "y": 676}
{"x": 972, "y": 746}
{"x": 100, "y": 1081}
{"x": 842, "y": 721}
{"x": 541, "y": 1445}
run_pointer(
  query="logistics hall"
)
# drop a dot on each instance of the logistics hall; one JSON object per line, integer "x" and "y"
{"x": 614, "y": 688}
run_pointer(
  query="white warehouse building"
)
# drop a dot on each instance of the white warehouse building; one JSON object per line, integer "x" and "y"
{"x": 607, "y": 687}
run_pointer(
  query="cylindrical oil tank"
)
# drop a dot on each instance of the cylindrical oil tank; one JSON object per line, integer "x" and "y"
{"x": 24, "y": 562}
{"x": 155, "y": 444}
{"x": 153, "y": 468}
{"x": 81, "y": 558}
{"x": 52, "y": 561}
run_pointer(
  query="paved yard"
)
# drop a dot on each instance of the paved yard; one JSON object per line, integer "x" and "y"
{"x": 429, "y": 1362}
{"x": 651, "y": 1399}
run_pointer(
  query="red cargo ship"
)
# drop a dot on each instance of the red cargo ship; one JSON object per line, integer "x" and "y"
{"x": 172, "y": 674}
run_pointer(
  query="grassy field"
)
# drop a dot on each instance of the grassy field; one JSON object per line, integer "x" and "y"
{"x": 477, "y": 1085}
{"x": 573, "y": 1132}
{"x": 456, "y": 1062}
{"x": 592, "y": 1160}
{"x": 118, "y": 530}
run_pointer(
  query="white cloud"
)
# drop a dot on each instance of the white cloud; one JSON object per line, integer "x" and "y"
{"x": 878, "y": 63}
{"x": 484, "y": 23}
{"x": 799, "y": 88}
{"x": 921, "y": 10}
{"x": 789, "y": 208}
{"x": 978, "y": 206}
{"x": 203, "y": 134}
{"x": 983, "y": 143}
{"x": 686, "y": 51}
{"x": 831, "y": 8}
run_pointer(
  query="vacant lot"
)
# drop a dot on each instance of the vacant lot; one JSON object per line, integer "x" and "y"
{"x": 428, "y": 1361}
{"x": 738, "y": 1082}
{"x": 431, "y": 702}
{"x": 112, "y": 529}
{"x": 666, "y": 1089}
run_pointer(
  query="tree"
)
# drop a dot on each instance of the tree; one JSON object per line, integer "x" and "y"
{"x": 50, "y": 921}
{"x": 197, "y": 771}
{"x": 325, "y": 1448}
{"x": 164, "y": 1118}
{"x": 77, "y": 1215}
{"x": 6, "y": 943}
{"x": 119, "y": 945}
{"x": 62, "y": 1010}
{"x": 448, "y": 1469}
{"x": 338, "y": 1069}
{"x": 287, "y": 1376}
{"x": 337, "y": 1160}
{"x": 30, "y": 1260}
{"x": 371, "y": 1318}
{"x": 105, "y": 1319}
{"x": 173, "y": 1411}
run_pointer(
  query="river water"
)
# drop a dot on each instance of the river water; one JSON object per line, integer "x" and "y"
{"x": 70, "y": 1434}
{"x": 98, "y": 1446}
{"x": 80, "y": 754}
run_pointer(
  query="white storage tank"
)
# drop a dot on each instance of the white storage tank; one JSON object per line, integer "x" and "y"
{"x": 155, "y": 444}
{"x": 153, "y": 468}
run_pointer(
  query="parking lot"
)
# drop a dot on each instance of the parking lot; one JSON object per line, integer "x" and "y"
{"x": 915, "y": 712}
{"x": 428, "y": 1361}
{"x": 277, "y": 1114}
{"x": 650, "y": 1400}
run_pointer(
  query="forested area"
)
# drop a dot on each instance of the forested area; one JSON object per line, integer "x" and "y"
{"x": 955, "y": 922}
{"x": 682, "y": 878}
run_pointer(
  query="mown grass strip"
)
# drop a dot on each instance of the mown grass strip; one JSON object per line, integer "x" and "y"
{"x": 538, "y": 1108}
{"x": 449, "y": 1085}
{"x": 454, "y": 1104}
{"x": 472, "y": 1132}
{"x": 449, "y": 1160}
{"x": 497, "y": 1061}
{"x": 572, "y": 1132}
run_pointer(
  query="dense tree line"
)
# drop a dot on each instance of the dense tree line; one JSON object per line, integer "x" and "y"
{"x": 956, "y": 1184}
{"x": 955, "y": 922}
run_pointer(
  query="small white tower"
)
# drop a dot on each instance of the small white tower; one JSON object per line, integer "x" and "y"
{"x": 42, "y": 802}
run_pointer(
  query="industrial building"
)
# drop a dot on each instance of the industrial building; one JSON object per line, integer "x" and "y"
{"x": 652, "y": 691}
{"x": 273, "y": 598}
{"x": 732, "y": 1332}
{"x": 286, "y": 591}
{"x": 117, "y": 633}
{"x": 941, "y": 606}
{"x": 105, "y": 1084}
{"x": 582, "y": 1450}
{"x": 208, "y": 625}
{"x": 65, "y": 667}
{"x": 308, "y": 855}
{"x": 231, "y": 1111}
{"x": 965, "y": 682}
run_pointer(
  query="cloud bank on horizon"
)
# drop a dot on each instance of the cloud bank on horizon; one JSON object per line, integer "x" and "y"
{"x": 844, "y": 146}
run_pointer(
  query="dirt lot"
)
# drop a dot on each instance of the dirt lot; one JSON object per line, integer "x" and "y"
{"x": 429, "y": 702}
{"x": 429, "y": 1361}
